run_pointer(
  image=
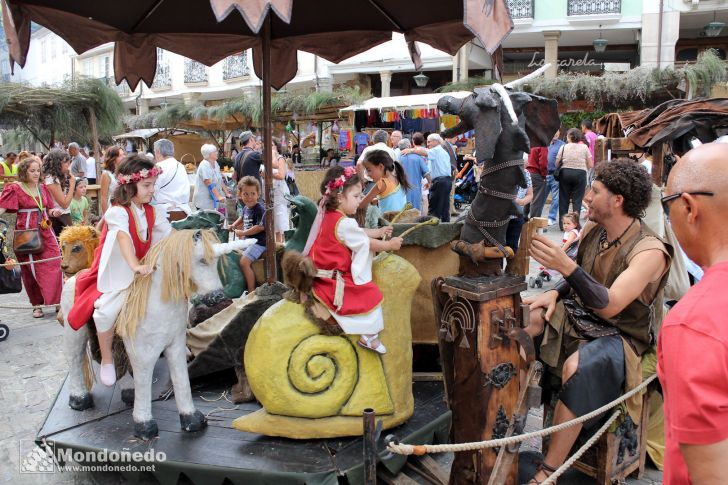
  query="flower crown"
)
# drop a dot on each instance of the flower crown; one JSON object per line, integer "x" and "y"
{"x": 135, "y": 177}
{"x": 337, "y": 185}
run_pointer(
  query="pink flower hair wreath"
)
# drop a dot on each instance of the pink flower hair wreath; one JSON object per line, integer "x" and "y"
{"x": 337, "y": 185}
{"x": 135, "y": 177}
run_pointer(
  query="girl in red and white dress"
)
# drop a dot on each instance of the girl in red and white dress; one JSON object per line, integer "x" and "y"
{"x": 132, "y": 225}
{"x": 572, "y": 231}
{"x": 342, "y": 253}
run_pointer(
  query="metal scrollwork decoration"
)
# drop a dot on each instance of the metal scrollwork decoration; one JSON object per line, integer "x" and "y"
{"x": 500, "y": 428}
{"x": 500, "y": 375}
{"x": 457, "y": 312}
{"x": 629, "y": 442}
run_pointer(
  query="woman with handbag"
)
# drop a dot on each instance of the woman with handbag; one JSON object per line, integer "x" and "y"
{"x": 34, "y": 239}
{"x": 57, "y": 179}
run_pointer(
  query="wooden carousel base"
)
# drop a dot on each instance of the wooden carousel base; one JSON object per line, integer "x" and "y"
{"x": 219, "y": 452}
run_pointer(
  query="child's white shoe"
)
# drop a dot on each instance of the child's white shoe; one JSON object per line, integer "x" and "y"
{"x": 366, "y": 341}
{"x": 108, "y": 374}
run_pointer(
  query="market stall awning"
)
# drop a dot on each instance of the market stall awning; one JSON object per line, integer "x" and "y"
{"x": 146, "y": 133}
{"x": 414, "y": 101}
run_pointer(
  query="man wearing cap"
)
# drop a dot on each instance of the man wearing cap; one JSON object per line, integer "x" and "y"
{"x": 78, "y": 161}
{"x": 248, "y": 161}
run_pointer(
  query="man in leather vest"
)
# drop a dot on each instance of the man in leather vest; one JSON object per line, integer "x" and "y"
{"x": 617, "y": 279}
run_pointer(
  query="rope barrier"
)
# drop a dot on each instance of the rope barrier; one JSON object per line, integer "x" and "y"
{"x": 405, "y": 449}
{"x": 23, "y": 263}
{"x": 26, "y": 307}
{"x": 567, "y": 464}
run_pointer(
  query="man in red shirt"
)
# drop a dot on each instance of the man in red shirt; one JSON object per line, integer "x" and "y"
{"x": 692, "y": 350}
{"x": 538, "y": 167}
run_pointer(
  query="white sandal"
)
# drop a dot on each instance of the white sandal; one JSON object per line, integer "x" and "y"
{"x": 367, "y": 343}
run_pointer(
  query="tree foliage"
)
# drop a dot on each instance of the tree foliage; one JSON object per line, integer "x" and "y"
{"x": 247, "y": 110}
{"x": 48, "y": 114}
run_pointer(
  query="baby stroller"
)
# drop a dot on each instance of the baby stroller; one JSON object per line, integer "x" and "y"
{"x": 465, "y": 189}
{"x": 10, "y": 281}
{"x": 546, "y": 275}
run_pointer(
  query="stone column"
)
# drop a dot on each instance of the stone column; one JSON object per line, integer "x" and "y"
{"x": 650, "y": 44}
{"x": 386, "y": 77}
{"x": 464, "y": 57}
{"x": 142, "y": 105}
{"x": 551, "y": 51}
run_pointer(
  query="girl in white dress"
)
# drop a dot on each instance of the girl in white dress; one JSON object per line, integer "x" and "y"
{"x": 132, "y": 226}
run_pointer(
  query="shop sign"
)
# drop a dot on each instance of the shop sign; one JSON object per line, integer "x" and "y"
{"x": 569, "y": 62}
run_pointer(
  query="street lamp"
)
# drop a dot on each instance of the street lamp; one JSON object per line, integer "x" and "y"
{"x": 421, "y": 80}
{"x": 714, "y": 28}
{"x": 600, "y": 44}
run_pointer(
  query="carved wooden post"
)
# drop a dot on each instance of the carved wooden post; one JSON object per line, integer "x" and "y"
{"x": 480, "y": 324}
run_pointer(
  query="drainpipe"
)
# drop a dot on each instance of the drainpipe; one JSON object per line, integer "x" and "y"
{"x": 659, "y": 36}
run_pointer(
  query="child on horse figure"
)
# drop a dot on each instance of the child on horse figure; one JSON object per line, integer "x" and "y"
{"x": 342, "y": 253}
{"x": 132, "y": 226}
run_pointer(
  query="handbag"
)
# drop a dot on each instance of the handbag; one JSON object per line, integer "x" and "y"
{"x": 27, "y": 241}
{"x": 10, "y": 280}
{"x": 585, "y": 322}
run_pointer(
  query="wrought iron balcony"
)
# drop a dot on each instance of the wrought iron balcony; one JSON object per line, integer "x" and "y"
{"x": 521, "y": 9}
{"x": 121, "y": 89}
{"x": 594, "y": 7}
{"x": 236, "y": 66}
{"x": 195, "y": 72}
{"x": 162, "y": 77}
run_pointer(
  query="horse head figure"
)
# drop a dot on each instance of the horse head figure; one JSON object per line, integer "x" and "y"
{"x": 154, "y": 321}
{"x": 506, "y": 125}
{"x": 233, "y": 281}
{"x": 303, "y": 214}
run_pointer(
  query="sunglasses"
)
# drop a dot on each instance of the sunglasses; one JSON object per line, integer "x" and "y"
{"x": 669, "y": 198}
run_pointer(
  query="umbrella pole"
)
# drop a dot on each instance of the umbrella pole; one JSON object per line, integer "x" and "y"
{"x": 270, "y": 242}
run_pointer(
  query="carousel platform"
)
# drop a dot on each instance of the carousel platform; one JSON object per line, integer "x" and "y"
{"x": 220, "y": 453}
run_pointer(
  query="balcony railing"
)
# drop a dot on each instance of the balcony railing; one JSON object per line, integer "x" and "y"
{"x": 162, "y": 77}
{"x": 521, "y": 9}
{"x": 121, "y": 89}
{"x": 195, "y": 72}
{"x": 236, "y": 66}
{"x": 594, "y": 7}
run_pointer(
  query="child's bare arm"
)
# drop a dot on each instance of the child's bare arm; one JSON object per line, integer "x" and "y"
{"x": 236, "y": 224}
{"x": 370, "y": 196}
{"x": 569, "y": 239}
{"x": 378, "y": 245}
{"x": 127, "y": 252}
{"x": 379, "y": 232}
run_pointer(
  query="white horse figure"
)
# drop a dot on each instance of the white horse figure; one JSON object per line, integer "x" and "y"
{"x": 154, "y": 320}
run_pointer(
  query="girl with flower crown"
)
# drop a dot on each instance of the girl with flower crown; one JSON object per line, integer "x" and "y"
{"x": 342, "y": 253}
{"x": 132, "y": 225}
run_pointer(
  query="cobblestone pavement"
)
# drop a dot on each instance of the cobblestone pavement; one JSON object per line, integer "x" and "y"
{"x": 32, "y": 370}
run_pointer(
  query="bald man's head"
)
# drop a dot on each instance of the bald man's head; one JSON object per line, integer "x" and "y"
{"x": 696, "y": 216}
{"x": 702, "y": 168}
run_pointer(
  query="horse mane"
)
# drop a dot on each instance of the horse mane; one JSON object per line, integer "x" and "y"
{"x": 175, "y": 254}
{"x": 88, "y": 235}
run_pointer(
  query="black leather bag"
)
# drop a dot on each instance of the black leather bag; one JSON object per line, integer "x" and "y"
{"x": 586, "y": 323}
{"x": 559, "y": 156}
{"x": 10, "y": 281}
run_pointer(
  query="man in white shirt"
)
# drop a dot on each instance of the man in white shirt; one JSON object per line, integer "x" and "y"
{"x": 394, "y": 140}
{"x": 91, "y": 168}
{"x": 172, "y": 189}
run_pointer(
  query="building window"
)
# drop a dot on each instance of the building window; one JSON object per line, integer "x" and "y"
{"x": 236, "y": 66}
{"x": 104, "y": 67}
{"x": 162, "y": 77}
{"x": 195, "y": 72}
{"x": 53, "y": 48}
{"x": 594, "y": 7}
{"x": 43, "y": 48}
{"x": 521, "y": 9}
{"x": 88, "y": 67}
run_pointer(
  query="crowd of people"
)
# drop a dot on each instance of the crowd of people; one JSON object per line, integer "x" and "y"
{"x": 614, "y": 267}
